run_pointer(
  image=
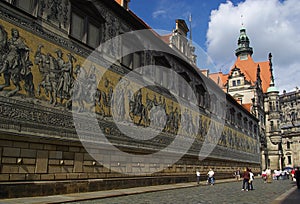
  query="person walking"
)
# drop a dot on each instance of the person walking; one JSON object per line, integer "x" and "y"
{"x": 211, "y": 179}
{"x": 269, "y": 175}
{"x": 297, "y": 177}
{"x": 264, "y": 176}
{"x": 198, "y": 176}
{"x": 238, "y": 174}
{"x": 251, "y": 180}
{"x": 246, "y": 177}
{"x": 293, "y": 174}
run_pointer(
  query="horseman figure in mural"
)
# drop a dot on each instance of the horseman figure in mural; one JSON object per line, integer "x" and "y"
{"x": 139, "y": 110}
{"x": 14, "y": 63}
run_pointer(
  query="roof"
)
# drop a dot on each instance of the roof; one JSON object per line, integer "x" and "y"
{"x": 249, "y": 68}
{"x": 247, "y": 106}
{"x": 272, "y": 89}
{"x": 219, "y": 78}
{"x": 166, "y": 38}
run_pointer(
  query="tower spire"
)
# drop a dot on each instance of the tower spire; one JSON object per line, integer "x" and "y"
{"x": 272, "y": 87}
{"x": 272, "y": 83}
{"x": 190, "y": 20}
{"x": 244, "y": 48}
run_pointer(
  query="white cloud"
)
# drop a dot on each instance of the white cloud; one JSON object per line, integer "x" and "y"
{"x": 158, "y": 13}
{"x": 172, "y": 11}
{"x": 271, "y": 25}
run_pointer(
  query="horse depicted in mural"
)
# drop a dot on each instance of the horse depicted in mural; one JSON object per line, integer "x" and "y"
{"x": 138, "y": 112}
{"x": 14, "y": 62}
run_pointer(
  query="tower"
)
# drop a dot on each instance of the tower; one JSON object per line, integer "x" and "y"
{"x": 244, "y": 50}
{"x": 273, "y": 132}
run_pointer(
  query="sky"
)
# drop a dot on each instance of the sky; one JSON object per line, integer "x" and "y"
{"x": 271, "y": 25}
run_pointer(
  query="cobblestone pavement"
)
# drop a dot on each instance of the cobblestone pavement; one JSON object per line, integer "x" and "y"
{"x": 219, "y": 193}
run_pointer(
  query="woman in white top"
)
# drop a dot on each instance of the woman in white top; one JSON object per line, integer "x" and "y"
{"x": 251, "y": 180}
{"x": 211, "y": 179}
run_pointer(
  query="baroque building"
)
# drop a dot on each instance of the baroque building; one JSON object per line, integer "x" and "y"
{"x": 87, "y": 104}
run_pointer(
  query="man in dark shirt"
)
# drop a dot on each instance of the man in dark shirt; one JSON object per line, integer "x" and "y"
{"x": 246, "y": 177}
{"x": 297, "y": 176}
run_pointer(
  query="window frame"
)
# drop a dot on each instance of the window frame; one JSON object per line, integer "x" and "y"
{"x": 88, "y": 20}
{"x": 34, "y": 9}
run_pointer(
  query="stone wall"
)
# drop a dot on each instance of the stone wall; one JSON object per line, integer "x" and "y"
{"x": 41, "y": 150}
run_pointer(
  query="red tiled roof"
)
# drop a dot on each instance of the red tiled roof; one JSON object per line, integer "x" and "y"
{"x": 249, "y": 68}
{"x": 119, "y": 1}
{"x": 219, "y": 78}
{"x": 247, "y": 106}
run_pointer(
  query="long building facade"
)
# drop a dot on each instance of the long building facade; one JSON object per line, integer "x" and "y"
{"x": 73, "y": 119}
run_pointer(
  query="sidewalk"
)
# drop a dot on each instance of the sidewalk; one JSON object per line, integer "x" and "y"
{"x": 119, "y": 192}
{"x": 290, "y": 197}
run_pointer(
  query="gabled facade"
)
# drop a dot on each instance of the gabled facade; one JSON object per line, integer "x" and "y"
{"x": 249, "y": 82}
{"x": 178, "y": 41}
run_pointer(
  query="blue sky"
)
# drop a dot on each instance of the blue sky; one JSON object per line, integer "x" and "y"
{"x": 272, "y": 26}
{"x": 161, "y": 14}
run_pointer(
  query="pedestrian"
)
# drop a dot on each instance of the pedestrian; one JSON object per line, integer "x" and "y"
{"x": 293, "y": 174}
{"x": 238, "y": 174}
{"x": 246, "y": 177}
{"x": 264, "y": 176}
{"x": 251, "y": 180}
{"x": 297, "y": 177}
{"x": 269, "y": 175}
{"x": 198, "y": 176}
{"x": 211, "y": 179}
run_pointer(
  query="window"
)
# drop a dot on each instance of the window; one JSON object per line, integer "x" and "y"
{"x": 26, "y": 5}
{"x": 288, "y": 145}
{"x": 238, "y": 82}
{"x": 271, "y": 126}
{"x": 233, "y": 83}
{"x": 270, "y": 106}
{"x": 85, "y": 28}
{"x": 137, "y": 59}
{"x": 289, "y": 160}
{"x": 255, "y": 129}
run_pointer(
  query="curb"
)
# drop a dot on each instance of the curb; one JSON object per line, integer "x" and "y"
{"x": 283, "y": 196}
{"x": 77, "y": 197}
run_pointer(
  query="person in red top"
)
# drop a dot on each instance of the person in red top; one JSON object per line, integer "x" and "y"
{"x": 246, "y": 177}
{"x": 293, "y": 174}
